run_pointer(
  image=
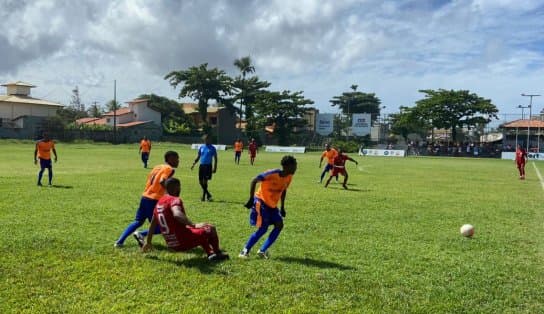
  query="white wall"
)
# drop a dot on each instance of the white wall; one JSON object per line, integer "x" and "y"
{"x": 14, "y": 110}
{"x": 144, "y": 113}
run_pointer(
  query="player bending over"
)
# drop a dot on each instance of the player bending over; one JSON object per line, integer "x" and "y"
{"x": 264, "y": 202}
{"x": 339, "y": 167}
{"x": 179, "y": 232}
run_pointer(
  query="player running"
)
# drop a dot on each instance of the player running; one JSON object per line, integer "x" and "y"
{"x": 179, "y": 232}
{"x": 521, "y": 160}
{"x": 339, "y": 167}
{"x": 252, "y": 148}
{"x": 263, "y": 204}
{"x": 238, "y": 148}
{"x": 145, "y": 150}
{"x": 329, "y": 153}
{"x": 43, "y": 150}
{"x": 154, "y": 190}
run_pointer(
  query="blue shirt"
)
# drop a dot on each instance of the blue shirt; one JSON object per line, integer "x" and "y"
{"x": 206, "y": 152}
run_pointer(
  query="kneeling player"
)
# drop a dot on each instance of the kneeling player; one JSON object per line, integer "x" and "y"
{"x": 177, "y": 229}
{"x": 339, "y": 167}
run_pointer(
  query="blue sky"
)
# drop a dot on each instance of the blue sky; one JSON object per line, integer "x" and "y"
{"x": 494, "y": 48}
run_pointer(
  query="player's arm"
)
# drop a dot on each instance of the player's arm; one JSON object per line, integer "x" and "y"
{"x": 320, "y": 161}
{"x": 147, "y": 245}
{"x": 196, "y": 159}
{"x": 55, "y": 153}
{"x": 214, "y": 162}
{"x": 282, "y": 206}
{"x": 252, "y": 187}
{"x": 181, "y": 217}
{"x": 351, "y": 159}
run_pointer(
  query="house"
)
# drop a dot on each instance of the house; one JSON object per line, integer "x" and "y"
{"x": 220, "y": 119}
{"x": 519, "y": 131}
{"x": 132, "y": 122}
{"x": 22, "y": 116}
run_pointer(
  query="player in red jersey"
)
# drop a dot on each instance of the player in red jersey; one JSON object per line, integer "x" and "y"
{"x": 252, "y": 148}
{"x": 521, "y": 160}
{"x": 339, "y": 167}
{"x": 179, "y": 232}
{"x": 264, "y": 204}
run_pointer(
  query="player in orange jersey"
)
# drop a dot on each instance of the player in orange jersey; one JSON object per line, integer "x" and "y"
{"x": 154, "y": 190}
{"x": 264, "y": 204}
{"x": 179, "y": 232}
{"x": 238, "y": 148}
{"x": 339, "y": 167}
{"x": 145, "y": 150}
{"x": 329, "y": 153}
{"x": 43, "y": 150}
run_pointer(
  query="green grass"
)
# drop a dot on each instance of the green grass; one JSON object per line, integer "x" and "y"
{"x": 390, "y": 244}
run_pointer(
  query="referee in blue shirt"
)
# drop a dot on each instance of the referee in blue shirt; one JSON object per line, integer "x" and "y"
{"x": 206, "y": 153}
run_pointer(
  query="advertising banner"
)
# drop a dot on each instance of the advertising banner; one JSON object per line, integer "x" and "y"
{"x": 360, "y": 124}
{"x": 324, "y": 124}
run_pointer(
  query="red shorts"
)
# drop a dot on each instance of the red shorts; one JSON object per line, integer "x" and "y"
{"x": 252, "y": 154}
{"x": 521, "y": 164}
{"x": 337, "y": 171}
{"x": 196, "y": 237}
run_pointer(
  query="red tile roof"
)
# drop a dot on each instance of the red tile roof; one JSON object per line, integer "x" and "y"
{"x": 119, "y": 112}
{"x": 86, "y": 120}
{"x": 129, "y": 124}
{"x": 523, "y": 124}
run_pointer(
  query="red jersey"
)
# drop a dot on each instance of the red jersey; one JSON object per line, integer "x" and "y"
{"x": 340, "y": 161}
{"x": 521, "y": 155}
{"x": 252, "y": 147}
{"x": 172, "y": 231}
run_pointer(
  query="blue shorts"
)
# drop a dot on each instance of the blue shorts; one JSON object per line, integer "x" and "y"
{"x": 262, "y": 215}
{"x": 145, "y": 211}
{"x": 327, "y": 167}
{"x": 237, "y": 154}
{"x": 145, "y": 156}
{"x": 45, "y": 163}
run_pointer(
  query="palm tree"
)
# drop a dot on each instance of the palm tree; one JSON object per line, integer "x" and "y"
{"x": 244, "y": 65}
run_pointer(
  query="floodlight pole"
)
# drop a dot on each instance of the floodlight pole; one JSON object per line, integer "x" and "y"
{"x": 522, "y": 117}
{"x": 529, "y": 124}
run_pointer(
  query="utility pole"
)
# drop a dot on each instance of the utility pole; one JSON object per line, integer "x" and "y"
{"x": 529, "y": 124}
{"x": 114, "y": 111}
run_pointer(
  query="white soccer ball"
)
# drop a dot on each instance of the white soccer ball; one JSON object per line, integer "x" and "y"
{"x": 467, "y": 230}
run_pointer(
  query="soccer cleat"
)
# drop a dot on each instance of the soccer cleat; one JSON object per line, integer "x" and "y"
{"x": 118, "y": 245}
{"x": 243, "y": 254}
{"x": 263, "y": 255}
{"x": 345, "y": 186}
{"x": 210, "y": 199}
{"x": 139, "y": 238}
{"x": 39, "y": 184}
{"x": 217, "y": 257}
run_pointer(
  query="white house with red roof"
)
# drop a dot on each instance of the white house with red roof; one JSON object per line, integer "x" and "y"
{"x": 138, "y": 112}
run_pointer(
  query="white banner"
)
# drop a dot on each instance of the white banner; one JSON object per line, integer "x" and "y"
{"x": 217, "y": 147}
{"x": 531, "y": 156}
{"x": 324, "y": 123}
{"x": 382, "y": 152}
{"x": 360, "y": 125}
{"x": 285, "y": 149}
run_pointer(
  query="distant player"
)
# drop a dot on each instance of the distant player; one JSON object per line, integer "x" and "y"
{"x": 43, "y": 150}
{"x": 238, "y": 148}
{"x": 205, "y": 154}
{"x": 145, "y": 150}
{"x": 339, "y": 167}
{"x": 179, "y": 232}
{"x": 252, "y": 148}
{"x": 264, "y": 202}
{"x": 521, "y": 160}
{"x": 154, "y": 190}
{"x": 329, "y": 153}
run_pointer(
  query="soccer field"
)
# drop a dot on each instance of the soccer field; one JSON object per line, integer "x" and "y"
{"x": 390, "y": 243}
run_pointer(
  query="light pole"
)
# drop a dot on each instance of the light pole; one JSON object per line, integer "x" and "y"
{"x": 529, "y": 124}
{"x": 522, "y": 117}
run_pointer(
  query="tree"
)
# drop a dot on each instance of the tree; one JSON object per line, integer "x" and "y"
{"x": 357, "y": 102}
{"x": 201, "y": 84}
{"x": 75, "y": 101}
{"x": 173, "y": 118}
{"x": 284, "y": 110}
{"x": 113, "y": 105}
{"x": 451, "y": 109}
{"x": 245, "y": 67}
{"x": 407, "y": 122}
{"x": 95, "y": 110}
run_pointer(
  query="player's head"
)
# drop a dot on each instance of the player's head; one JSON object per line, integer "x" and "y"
{"x": 173, "y": 186}
{"x": 340, "y": 151}
{"x": 171, "y": 158}
{"x": 289, "y": 164}
{"x": 45, "y": 136}
{"x": 145, "y": 137}
{"x": 207, "y": 138}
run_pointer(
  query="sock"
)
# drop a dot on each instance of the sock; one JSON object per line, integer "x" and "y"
{"x": 50, "y": 173}
{"x": 255, "y": 237}
{"x": 145, "y": 232}
{"x": 271, "y": 239}
{"x": 40, "y": 174}
{"x": 130, "y": 230}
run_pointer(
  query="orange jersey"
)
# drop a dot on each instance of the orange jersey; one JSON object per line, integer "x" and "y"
{"x": 272, "y": 187}
{"x": 145, "y": 146}
{"x": 44, "y": 149}
{"x": 153, "y": 187}
{"x": 330, "y": 154}
{"x": 238, "y": 146}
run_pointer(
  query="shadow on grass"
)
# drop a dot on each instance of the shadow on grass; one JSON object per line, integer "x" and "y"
{"x": 57, "y": 186}
{"x": 315, "y": 263}
{"x": 198, "y": 261}
{"x": 349, "y": 189}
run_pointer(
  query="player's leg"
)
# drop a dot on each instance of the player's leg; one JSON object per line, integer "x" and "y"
{"x": 328, "y": 181}
{"x": 345, "y": 184}
{"x": 257, "y": 219}
{"x": 146, "y": 206}
{"x": 43, "y": 165}
{"x": 272, "y": 237}
{"x": 324, "y": 172}
{"x": 50, "y": 173}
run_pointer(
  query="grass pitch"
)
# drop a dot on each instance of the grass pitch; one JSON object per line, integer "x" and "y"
{"x": 390, "y": 243}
